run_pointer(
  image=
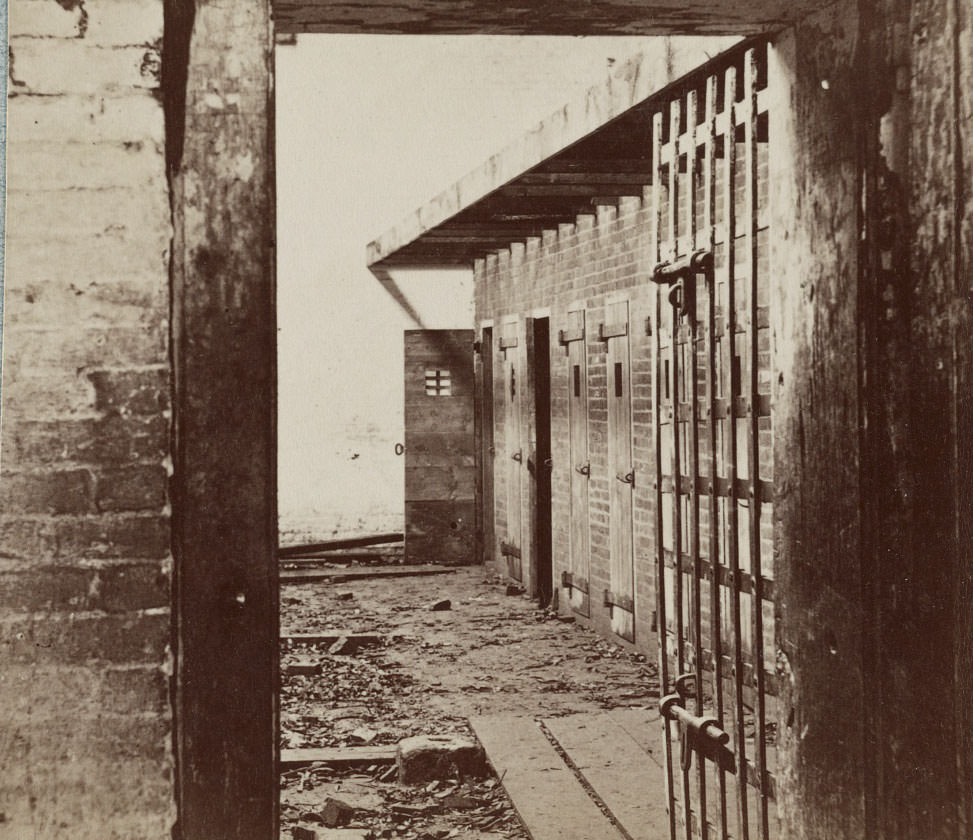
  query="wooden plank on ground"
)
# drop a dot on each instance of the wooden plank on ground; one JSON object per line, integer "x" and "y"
{"x": 622, "y": 774}
{"x": 345, "y": 756}
{"x": 548, "y": 797}
{"x": 643, "y": 727}
{"x": 347, "y": 542}
{"x": 332, "y": 636}
{"x": 364, "y": 573}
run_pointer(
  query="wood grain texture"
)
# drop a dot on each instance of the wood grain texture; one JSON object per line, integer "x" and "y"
{"x": 224, "y": 483}
{"x": 814, "y": 200}
{"x": 549, "y": 799}
{"x": 494, "y": 17}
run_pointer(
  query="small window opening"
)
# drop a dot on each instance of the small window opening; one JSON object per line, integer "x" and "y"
{"x": 618, "y": 379}
{"x": 438, "y": 383}
{"x": 577, "y": 380}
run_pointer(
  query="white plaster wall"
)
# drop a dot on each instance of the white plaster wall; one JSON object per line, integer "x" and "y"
{"x": 369, "y": 128}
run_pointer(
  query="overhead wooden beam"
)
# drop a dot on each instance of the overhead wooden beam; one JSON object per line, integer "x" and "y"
{"x": 632, "y": 84}
{"x": 572, "y": 17}
{"x": 586, "y": 178}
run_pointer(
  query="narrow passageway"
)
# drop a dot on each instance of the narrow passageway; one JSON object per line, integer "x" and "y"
{"x": 386, "y": 666}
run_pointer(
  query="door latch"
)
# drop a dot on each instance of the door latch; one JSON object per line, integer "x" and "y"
{"x": 583, "y": 469}
{"x": 518, "y": 456}
{"x": 700, "y": 734}
{"x": 628, "y": 478}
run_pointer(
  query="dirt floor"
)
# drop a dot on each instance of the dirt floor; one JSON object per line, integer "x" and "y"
{"x": 490, "y": 652}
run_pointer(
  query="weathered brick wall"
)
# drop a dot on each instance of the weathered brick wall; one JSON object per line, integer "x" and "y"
{"x": 596, "y": 258}
{"x": 84, "y": 532}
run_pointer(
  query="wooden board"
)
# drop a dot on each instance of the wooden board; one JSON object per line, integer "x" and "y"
{"x": 439, "y": 446}
{"x": 339, "y": 575}
{"x": 620, "y": 464}
{"x": 629, "y": 780}
{"x": 441, "y": 531}
{"x": 577, "y": 383}
{"x": 338, "y": 756}
{"x": 359, "y": 639}
{"x": 548, "y": 797}
{"x": 513, "y": 386}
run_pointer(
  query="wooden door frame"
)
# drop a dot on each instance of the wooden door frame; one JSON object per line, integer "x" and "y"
{"x": 225, "y": 632}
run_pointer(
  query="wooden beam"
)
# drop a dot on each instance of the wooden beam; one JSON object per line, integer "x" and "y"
{"x": 578, "y": 190}
{"x": 634, "y": 82}
{"x": 581, "y": 177}
{"x": 817, "y": 517}
{"x": 572, "y": 17}
{"x": 364, "y": 573}
{"x": 219, "y": 146}
{"x": 338, "y": 756}
{"x": 345, "y": 542}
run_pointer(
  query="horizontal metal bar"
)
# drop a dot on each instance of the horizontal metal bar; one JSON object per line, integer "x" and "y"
{"x": 606, "y": 331}
{"x": 508, "y": 550}
{"x": 566, "y": 336}
{"x": 744, "y": 583}
{"x": 573, "y": 581}
{"x": 741, "y": 407}
{"x": 742, "y": 487}
{"x": 621, "y": 601}
{"x": 748, "y": 680}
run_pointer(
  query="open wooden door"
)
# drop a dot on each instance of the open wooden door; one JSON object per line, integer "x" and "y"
{"x": 439, "y": 447}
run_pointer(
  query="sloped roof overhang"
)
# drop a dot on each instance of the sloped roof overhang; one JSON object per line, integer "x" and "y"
{"x": 590, "y": 153}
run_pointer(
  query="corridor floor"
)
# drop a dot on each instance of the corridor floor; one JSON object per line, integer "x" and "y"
{"x": 489, "y": 654}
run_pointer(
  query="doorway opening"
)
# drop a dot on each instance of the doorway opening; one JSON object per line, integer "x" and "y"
{"x": 541, "y": 464}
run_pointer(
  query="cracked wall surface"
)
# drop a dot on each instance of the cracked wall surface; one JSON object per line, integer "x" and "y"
{"x": 84, "y": 525}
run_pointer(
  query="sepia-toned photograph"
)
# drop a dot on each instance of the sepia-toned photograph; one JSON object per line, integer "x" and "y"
{"x": 486, "y": 420}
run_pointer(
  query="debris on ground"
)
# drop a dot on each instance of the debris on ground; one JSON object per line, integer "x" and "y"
{"x": 439, "y": 606}
{"x": 424, "y": 674}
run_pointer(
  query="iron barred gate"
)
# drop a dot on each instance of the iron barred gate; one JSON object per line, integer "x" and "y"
{"x": 713, "y": 449}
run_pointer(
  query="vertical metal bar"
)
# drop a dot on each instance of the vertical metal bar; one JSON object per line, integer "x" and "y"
{"x": 696, "y": 612}
{"x": 716, "y": 624}
{"x": 660, "y": 565}
{"x": 753, "y": 425}
{"x": 674, "y": 199}
{"x": 730, "y": 444}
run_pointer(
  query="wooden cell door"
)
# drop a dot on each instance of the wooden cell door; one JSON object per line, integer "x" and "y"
{"x": 714, "y": 453}
{"x": 620, "y": 596}
{"x": 512, "y": 543}
{"x": 487, "y": 446}
{"x": 439, "y": 447}
{"x": 575, "y": 580}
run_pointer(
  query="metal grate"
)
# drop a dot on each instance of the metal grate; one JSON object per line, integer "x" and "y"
{"x": 438, "y": 383}
{"x": 713, "y": 443}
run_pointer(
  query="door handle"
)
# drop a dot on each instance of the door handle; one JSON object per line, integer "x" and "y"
{"x": 628, "y": 478}
{"x": 518, "y": 456}
{"x": 584, "y": 469}
{"x": 549, "y": 463}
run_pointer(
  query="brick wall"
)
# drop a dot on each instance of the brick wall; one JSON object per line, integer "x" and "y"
{"x": 596, "y": 258}
{"x": 84, "y": 532}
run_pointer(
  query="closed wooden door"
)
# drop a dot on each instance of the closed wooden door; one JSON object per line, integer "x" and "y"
{"x": 439, "y": 447}
{"x": 576, "y": 582}
{"x": 512, "y": 544}
{"x": 621, "y": 595}
{"x": 487, "y": 445}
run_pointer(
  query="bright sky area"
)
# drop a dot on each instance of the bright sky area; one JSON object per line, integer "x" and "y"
{"x": 368, "y": 129}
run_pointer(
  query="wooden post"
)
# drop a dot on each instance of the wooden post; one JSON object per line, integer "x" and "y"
{"x": 220, "y": 150}
{"x": 814, "y": 260}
